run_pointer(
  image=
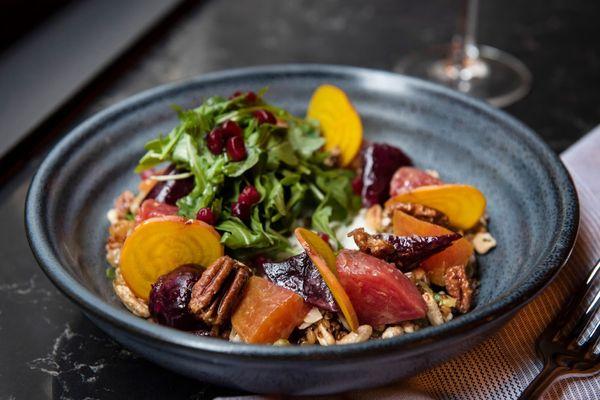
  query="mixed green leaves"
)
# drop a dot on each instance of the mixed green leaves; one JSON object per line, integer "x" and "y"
{"x": 284, "y": 162}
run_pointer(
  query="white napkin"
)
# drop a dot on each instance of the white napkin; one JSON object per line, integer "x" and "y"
{"x": 502, "y": 366}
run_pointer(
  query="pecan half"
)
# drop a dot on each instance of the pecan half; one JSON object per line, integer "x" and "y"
{"x": 218, "y": 290}
{"x": 459, "y": 286}
{"x": 372, "y": 244}
{"x": 419, "y": 211}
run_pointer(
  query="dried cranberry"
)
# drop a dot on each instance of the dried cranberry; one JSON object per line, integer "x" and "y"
{"x": 170, "y": 295}
{"x": 236, "y": 149}
{"x": 230, "y": 129}
{"x": 357, "y": 185}
{"x": 206, "y": 215}
{"x": 264, "y": 117}
{"x": 380, "y": 163}
{"x": 241, "y": 210}
{"x": 249, "y": 195}
{"x": 235, "y": 94}
{"x": 215, "y": 140}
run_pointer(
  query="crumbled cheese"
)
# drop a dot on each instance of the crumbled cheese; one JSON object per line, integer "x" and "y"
{"x": 483, "y": 242}
{"x": 111, "y": 215}
{"x": 358, "y": 222}
{"x": 433, "y": 173}
{"x": 234, "y": 336}
{"x": 386, "y": 222}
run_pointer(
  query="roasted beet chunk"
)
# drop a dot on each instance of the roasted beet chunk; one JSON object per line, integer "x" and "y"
{"x": 299, "y": 274}
{"x": 403, "y": 251}
{"x": 380, "y": 163}
{"x": 170, "y": 191}
{"x": 170, "y": 296}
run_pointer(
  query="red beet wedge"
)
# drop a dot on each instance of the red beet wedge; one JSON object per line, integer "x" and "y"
{"x": 151, "y": 208}
{"x": 379, "y": 292}
{"x": 407, "y": 178}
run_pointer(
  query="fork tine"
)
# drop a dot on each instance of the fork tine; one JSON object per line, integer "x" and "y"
{"x": 591, "y": 342}
{"x": 584, "y": 321}
{"x": 594, "y": 272}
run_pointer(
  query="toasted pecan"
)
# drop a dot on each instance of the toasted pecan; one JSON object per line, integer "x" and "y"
{"x": 419, "y": 211}
{"x": 219, "y": 290}
{"x": 459, "y": 286}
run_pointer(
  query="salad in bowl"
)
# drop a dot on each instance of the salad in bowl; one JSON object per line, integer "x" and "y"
{"x": 255, "y": 225}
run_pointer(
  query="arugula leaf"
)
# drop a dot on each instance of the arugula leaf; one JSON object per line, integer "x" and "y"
{"x": 285, "y": 162}
{"x": 305, "y": 138}
{"x": 235, "y": 169}
{"x": 321, "y": 221}
{"x": 237, "y": 235}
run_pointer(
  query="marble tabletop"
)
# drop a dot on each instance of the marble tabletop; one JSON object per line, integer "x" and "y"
{"x": 49, "y": 349}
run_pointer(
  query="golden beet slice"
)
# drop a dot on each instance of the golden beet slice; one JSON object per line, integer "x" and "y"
{"x": 340, "y": 123}
{"x": 457, "y": 254}
{"x": 322, "y": 256}
{"x": 267, "y": 312}
{"x": 161, "y": 244}
{"x": 463, "y": 204}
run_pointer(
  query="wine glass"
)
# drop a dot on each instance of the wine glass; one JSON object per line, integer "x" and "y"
{"x": 480, "y": 71}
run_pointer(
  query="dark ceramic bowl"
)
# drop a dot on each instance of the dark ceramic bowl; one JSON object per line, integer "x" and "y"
{"x": 531, "y": 203}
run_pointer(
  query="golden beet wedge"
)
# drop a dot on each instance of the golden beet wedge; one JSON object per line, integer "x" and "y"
{"x": 464, "y": 205}
{"x": 340, "y": 123}
{"x": 322, "y": 256}
{"x": 159, "y": 245}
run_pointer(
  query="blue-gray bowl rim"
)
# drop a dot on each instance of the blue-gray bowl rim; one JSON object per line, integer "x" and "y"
{"x": 122, "y": 319}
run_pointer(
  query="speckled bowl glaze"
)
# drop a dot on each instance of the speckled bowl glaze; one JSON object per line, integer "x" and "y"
{"x": 531, "y": 203}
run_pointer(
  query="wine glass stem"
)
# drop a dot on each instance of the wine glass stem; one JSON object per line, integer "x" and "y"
{"x": 464, "y": 48}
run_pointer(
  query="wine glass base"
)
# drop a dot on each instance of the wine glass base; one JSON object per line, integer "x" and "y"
{"x": 495, "y": 76}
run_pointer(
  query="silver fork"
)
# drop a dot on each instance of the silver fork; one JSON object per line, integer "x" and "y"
{"x": 564, "y": 346}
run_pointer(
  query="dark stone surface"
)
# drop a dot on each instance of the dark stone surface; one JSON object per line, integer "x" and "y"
{"x": 50, "y": 350}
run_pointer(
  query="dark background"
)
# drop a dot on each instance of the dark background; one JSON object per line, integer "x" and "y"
{"x": 48, "y": 349}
